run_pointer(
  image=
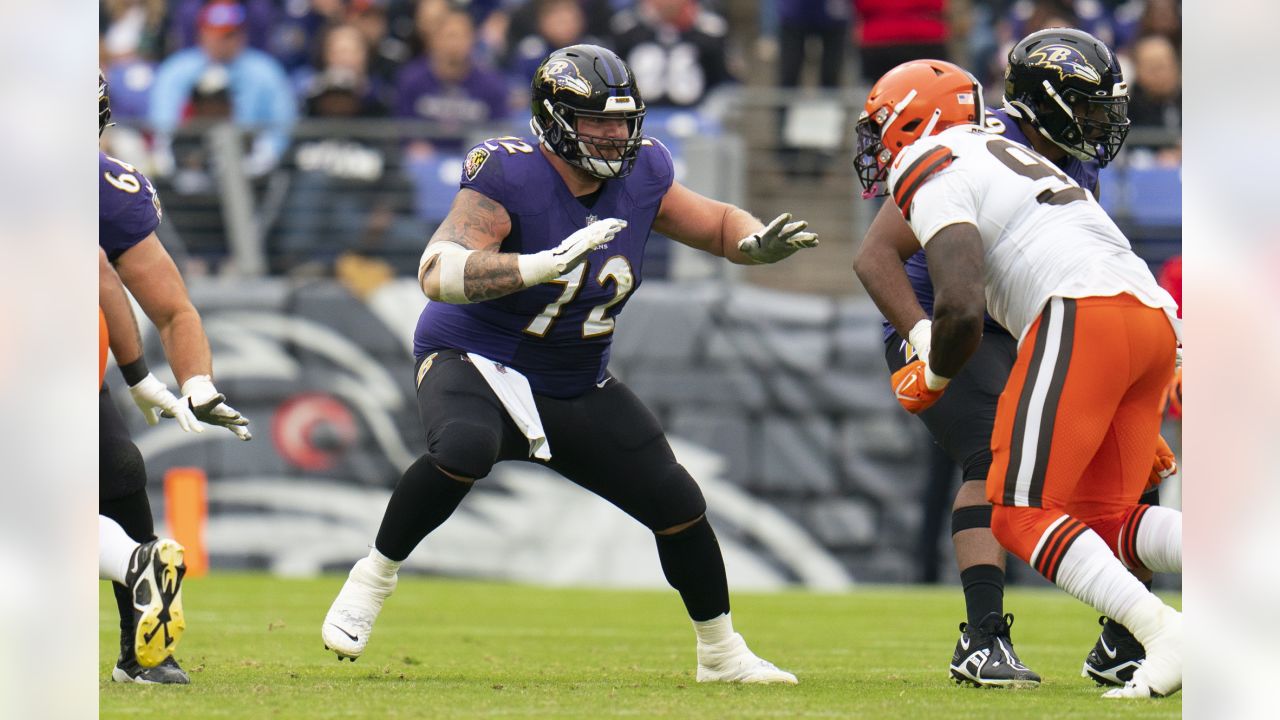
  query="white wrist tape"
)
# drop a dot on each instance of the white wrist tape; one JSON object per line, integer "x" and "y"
{"x": 932, "y": 380}
{"x": 921, "y": 338}
{"x": 451, "y": 266}
{"x": 537, "y": 268}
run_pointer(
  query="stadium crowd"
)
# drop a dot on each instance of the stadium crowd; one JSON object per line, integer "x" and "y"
{"x": 459, "y": 64}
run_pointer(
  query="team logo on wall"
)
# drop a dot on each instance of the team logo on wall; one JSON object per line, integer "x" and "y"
{"x": 475, "y": 160}
{"x": 1068, "y": 61}
{"x": 564, "y": 74}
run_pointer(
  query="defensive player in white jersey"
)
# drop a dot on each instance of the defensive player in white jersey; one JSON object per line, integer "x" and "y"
{"x": 1077, "y": 424}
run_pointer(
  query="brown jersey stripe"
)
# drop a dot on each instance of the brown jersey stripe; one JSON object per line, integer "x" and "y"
{"x": 1050, "y": 543}
{"x": 916, "y": 174}
{"x": 1129, "y": 538}
{"x": 1049, "y": 413}
{"x": 1056, "y": 563}
{"x": 1024, "y": 401}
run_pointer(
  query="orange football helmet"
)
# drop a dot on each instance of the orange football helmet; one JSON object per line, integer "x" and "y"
{"x": 914, "y": 100}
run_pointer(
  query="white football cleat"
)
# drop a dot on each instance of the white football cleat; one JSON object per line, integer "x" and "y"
{"x": 349, "y": 622}
{"x": 1161, "y": 673}
{"x": 733, "y": 661}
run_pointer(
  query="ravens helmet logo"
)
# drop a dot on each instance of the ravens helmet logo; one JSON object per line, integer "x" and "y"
{"x": 1068, "y": 61}
{"x": 561, "y": 73}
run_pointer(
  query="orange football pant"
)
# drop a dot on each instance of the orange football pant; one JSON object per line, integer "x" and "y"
{"x": 103, "y": 342}
{"x": 1077, "y": 426}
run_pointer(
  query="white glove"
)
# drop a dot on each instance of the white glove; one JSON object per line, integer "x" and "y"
{"x": 921, "y": 339}
{"x": 207, "y": 404}
{"x": 154, "y": 400}
{"x": 537, "y": 268}
{"x": 777, "y": 240}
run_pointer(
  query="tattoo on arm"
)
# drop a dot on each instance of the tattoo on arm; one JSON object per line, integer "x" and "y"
{"x": 478, "y": 223}
{"x": 490, "y": 275}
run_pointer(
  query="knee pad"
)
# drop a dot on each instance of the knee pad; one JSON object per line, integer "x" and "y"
{"x": 677, "y": 500}
{"x": 466, "y": 449}
{"x": 121, "y": 470}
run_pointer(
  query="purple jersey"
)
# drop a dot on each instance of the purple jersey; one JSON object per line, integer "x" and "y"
{"x": 1084, "y": 173}
{"x": 557, "y": 334}
{"x": 479, "y": 98}
{"x": 128, "y": 206}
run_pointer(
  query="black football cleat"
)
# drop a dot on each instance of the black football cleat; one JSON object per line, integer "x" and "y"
{"x": 1115, "y": 656}
{"x": 154, "y": 580}
{"x": 985, "y": 657}
{"x": 168, "y": 672}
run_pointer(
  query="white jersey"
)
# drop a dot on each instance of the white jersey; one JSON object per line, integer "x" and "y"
{"x": 1044, "y": 236}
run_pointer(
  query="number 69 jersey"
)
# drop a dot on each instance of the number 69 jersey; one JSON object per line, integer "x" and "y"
{"x": 128, "y": 206}
{"x": 1043, "y": 235}
{"x": 556, "y": 334}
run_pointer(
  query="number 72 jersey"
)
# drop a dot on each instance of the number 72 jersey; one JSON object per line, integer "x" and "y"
{"x": 557, "y": 334}
{"x": 1043, "y": 235}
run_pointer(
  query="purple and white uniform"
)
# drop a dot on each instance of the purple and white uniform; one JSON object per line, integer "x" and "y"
{"x": 1084, "y": 173}
{"x": 556, "y": 334}
{"x": 128, "y": 206}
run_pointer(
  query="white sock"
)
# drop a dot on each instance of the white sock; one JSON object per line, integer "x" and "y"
{"x": 383, "y": 566}
{"x": 716, "y": 630}
{"x": 1159, "y": 541}
{"x": 1091, "y": 573}
{"x": 115, "y": 549}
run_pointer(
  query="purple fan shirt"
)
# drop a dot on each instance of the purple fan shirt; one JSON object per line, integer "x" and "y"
{"x": 480, "y": 97}
{"x": 128, "y": 206}
{"x": 1084, "y": 173}
{"x": 557, "y": 334}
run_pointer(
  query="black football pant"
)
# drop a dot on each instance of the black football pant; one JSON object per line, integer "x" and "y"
{"x": 122, "y": 489}
{"x": 605, "y": 440}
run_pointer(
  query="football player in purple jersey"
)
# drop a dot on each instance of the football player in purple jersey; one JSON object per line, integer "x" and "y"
{"x": 128, "y": 214}
{"x": 542, "y": 248}
{"x": 1065, "y": 97}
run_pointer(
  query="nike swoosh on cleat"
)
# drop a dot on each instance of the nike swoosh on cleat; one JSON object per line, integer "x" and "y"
{"x": 1111, "y": 652}
{"x": 354, "y": 638}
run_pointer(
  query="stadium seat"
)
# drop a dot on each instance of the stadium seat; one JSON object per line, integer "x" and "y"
{"x": 1155, "y": 196}
{"x": 435, "y": 182}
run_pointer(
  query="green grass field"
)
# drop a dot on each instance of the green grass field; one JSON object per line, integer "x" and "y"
{"x": 448, "y": 649}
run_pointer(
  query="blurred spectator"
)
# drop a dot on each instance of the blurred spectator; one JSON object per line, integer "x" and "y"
{"x": 342, "y": 194}
{"x": 447, "y": 87}
{"x": 891, "y": 32}
{"x": 260, "y": 21}
{"x": 557, "y": 24}
{"x": 1156, "y": 90}
{"x": 387, "y": 52}
{"x": 1139, "y": 18}
{"x": 1028, "y": 16}
{"x": 343, "y": 77}
{"x": 133, "y": 28}
{"x": 799, "y": 20}
{"x": 295, "y": 35}
{"x": 676, "y": 48}
{"x": 258, "y": 89}
{"x": 525, "y": 23}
